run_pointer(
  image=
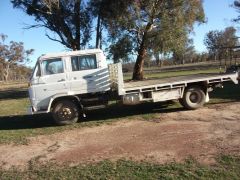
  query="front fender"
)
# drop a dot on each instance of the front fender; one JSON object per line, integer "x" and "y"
{"x": 61, "y": 95}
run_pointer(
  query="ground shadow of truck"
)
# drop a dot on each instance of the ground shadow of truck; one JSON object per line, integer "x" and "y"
{"x": 113, "y": 112}
{"x": 14, "y": 93}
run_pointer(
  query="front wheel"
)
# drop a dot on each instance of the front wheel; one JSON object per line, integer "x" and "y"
{"x": 193, "y": 98}
{"x": 65, "y": 112}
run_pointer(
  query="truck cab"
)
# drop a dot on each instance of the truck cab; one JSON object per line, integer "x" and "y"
{"x": 65, "y": 74}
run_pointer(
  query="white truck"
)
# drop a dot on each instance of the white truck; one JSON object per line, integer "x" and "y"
{"x": 66, "y": 84}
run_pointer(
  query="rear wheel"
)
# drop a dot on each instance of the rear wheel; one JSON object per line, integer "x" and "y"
{"x": 193, "y": 98}
{"x": 65, "y": 112}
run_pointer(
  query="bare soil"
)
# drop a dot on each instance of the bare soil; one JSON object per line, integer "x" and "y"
{"x": 202, "y": 134}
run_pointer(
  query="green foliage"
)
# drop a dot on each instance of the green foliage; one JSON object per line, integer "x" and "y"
{"x": 159, "y": 25}
{"x": 120, "y": 51}
{"x": 221, "y": 43}
{"x": 227, "y": 167}
{"x": 184, "y": 53}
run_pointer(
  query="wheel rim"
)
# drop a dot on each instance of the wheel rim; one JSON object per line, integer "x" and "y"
{"x": 194, "y": 97}
{"x": 65, "y": 114}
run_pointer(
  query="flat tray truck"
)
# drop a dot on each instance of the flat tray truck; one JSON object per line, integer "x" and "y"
{"x": 68, "y": 83}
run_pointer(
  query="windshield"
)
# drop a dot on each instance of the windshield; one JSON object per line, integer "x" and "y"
{"x": 52, "y": 66}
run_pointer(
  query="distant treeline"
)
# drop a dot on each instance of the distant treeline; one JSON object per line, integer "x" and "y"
{"x": 16, "y": 73}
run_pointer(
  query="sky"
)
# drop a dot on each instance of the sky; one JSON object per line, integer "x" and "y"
{"x": 219, "y": 14}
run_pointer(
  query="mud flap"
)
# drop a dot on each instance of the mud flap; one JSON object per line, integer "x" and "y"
{"x": 207, "y": 98}
{"x": 83, "y": 110}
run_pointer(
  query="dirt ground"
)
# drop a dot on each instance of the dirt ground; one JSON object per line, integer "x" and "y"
{"x": 202, "y": 134}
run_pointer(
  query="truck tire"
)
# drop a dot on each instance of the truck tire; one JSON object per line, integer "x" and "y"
{"x": 193, "y": 98}
{"x": 65, "y": 112}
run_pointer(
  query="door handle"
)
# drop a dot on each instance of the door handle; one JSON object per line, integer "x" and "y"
{"x": 61, "y": 80}
{"x": 87, "y": 77}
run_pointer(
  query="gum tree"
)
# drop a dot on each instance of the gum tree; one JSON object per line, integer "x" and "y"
{"x": 147, "y": 21}
{"x": 12, "y": 54}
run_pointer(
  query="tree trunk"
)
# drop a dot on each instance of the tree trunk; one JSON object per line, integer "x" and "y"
{"x": 183, "y": 59}
{"x": 76, "y": 45}
{"x": 161, "y": 63}
{"x": 138, "y": 68}
{"x": 231, "y": 57}
{"x": 98, "y": 33}
{"x": 158, "y": 62}
{"x": 142, "y": 51}
{"x": 183, "y": 62}
{"x": 6, "y": 72}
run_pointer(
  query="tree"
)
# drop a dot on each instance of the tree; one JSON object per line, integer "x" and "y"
{"x": 97, "y": 11}
{"x": 237, "y": 7}
{"x": 212, "y": 42}
{"x": 12, "y": 54}
{"x": 120, "y": 50}
{"x": 146, "y": 20}
{"x": 184, "y": 52}
{"x": 229, "y": 41}
{"x": 229, "y": 38}
{"x": 221, "y": 43}
{"x": 70, "y": 20}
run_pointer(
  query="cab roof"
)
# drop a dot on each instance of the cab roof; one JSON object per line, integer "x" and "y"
{"x": 69, "y": 53}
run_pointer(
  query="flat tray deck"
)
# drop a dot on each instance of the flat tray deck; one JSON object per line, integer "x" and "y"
{"x": 171, "y": 80}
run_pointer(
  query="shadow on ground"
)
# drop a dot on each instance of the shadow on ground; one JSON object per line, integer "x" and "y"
{"x": 112, "y": 112}
{"x": 25, "y": 122}
{"x": 13, "y": 94}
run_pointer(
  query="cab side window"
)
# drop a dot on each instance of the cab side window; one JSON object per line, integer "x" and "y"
{"x": 52, "y": 66}
{"x": 84, "y": 62}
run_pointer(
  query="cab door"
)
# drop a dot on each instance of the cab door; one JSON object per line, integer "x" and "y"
{"x": 86, "y": 75}
{"x": 52, "y": 81}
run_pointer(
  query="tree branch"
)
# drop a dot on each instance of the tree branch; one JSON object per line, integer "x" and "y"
{"x": 28, "y": 26}
{"x": 53, "y": 39}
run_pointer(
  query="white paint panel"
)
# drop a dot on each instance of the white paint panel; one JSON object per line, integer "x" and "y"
{"x": 166, "y": 95}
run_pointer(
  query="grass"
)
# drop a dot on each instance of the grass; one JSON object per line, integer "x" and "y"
{"x": 227, "y": 167}
{"x": 14, "y": 107}
{"x": 13, "y": 100}
{"x": 13, "y": 85}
